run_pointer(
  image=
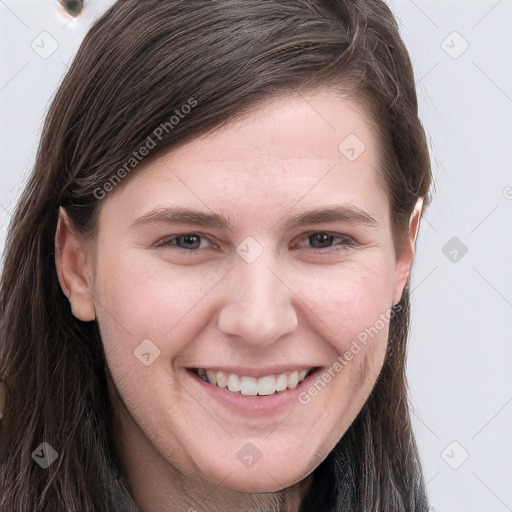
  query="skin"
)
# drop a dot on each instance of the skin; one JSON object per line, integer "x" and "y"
{"x": 296, "y": 303}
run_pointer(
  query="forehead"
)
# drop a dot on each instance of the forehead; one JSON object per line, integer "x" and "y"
{"x": 308, "y": 126}
{"x": 313, "y": 149}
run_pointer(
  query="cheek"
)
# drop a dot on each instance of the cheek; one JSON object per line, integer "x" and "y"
{"x": 352, "y": 309}
{"x": 152, "y": 301}
{"x": 351, "y": 306}
{"x": 350, "y": 299}
{"x": 163, "y": 302}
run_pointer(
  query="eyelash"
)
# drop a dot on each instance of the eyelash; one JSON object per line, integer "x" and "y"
{"x": 346, "y": 242}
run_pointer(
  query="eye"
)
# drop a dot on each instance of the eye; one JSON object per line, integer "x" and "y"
{"x": 325, "y": 240}
{"x": 192, "y": 243}
{"x": 189, "y": 243}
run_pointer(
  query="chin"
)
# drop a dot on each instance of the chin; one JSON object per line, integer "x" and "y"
{"x": 256, "y": 483}
{"x": 266, "y": 478}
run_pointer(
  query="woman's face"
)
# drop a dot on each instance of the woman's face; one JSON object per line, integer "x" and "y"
{"x": 279, "y": 293}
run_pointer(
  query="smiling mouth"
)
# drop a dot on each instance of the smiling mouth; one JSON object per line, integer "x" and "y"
{"x": 252, "y": 386}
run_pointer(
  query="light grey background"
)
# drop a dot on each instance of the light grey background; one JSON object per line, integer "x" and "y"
{"x": 460, "y": 350}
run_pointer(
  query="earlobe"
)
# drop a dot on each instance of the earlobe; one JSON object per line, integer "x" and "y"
{"x": 73, "y": 270}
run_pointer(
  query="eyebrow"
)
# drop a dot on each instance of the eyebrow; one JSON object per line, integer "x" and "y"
{"x": 328, "y": 213}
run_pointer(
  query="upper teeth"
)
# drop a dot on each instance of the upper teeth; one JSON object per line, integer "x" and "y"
{"x": 267, "y": 385}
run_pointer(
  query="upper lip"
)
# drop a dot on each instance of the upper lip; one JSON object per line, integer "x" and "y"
{"x": 256, "y": 372}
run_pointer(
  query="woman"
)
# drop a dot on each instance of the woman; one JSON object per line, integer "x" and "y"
{"x": 205, "y": 296}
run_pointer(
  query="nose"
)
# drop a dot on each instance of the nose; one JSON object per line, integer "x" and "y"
{"x": 258, "y": 303}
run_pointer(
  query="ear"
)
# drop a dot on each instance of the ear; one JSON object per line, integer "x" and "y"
{"x": 405, "y": 259}
{"x": 73, "y": 268}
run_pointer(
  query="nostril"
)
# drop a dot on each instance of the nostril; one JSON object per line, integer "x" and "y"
{"x": 72, "y": 8}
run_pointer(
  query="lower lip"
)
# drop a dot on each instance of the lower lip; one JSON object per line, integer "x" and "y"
{"x": 255, "y": 405}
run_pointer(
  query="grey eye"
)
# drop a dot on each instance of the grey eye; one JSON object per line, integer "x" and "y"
{"x": 190, "y": 239}
{"x": 323, "y": 239}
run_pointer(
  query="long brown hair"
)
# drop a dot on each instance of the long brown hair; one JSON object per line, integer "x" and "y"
{"x": 139, "y": 63}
